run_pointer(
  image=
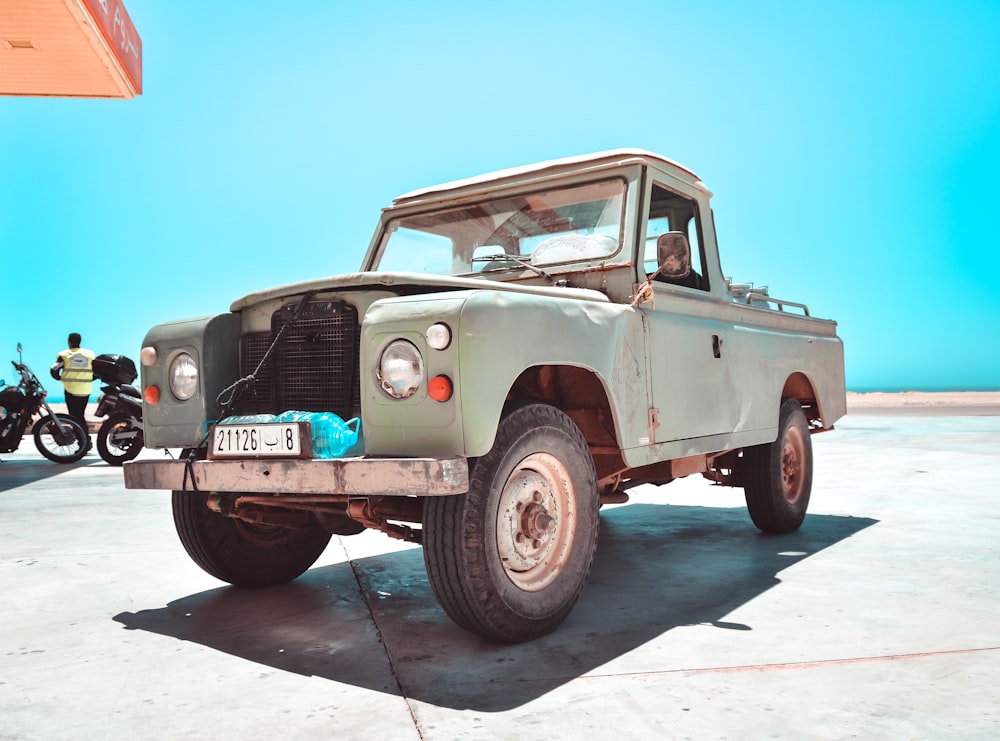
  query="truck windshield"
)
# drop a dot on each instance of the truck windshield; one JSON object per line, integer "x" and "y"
{"x": 550, "y": 227}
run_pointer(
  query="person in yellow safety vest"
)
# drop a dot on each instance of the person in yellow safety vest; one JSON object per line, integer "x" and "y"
{"x": 77, "y": 366}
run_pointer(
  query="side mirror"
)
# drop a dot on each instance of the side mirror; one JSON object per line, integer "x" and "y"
{"x": 673, "y": 255}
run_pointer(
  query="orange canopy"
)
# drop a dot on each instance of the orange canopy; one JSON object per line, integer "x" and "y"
{"x": 71, "y": 48}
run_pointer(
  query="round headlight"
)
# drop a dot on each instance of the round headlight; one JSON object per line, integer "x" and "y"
{"x": 438, "y": 336}
{"x": 400, "y": 369}
{"x": 183, "y": 376}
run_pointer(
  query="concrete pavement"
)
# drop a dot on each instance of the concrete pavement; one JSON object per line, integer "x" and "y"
{"x": 878, "y": 619}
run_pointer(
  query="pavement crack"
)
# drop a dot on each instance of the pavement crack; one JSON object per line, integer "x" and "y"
{"x": 382, "y": 641}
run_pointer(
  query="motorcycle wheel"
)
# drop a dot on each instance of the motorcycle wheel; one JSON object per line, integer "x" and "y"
{"x": 119, "y": 438}
{"x": 60, "y": 439}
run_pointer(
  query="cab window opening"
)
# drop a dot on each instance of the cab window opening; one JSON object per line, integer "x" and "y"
{"x": 672, "y": 212}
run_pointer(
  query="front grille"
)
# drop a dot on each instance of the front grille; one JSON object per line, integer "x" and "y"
{"x": 314, "y": 367}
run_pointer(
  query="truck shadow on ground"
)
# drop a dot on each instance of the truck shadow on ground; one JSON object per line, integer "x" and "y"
{"x": 658, "y": 567}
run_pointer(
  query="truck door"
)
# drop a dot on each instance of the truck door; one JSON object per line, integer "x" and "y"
{"x": 689, "y": 370}
{"x": 691, "y": 378}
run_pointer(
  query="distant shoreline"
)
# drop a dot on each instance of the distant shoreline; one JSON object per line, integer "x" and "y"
{"x": 863, "y": 398}
{"x": 925, "y": 403}
{"x": 862, "y": 403}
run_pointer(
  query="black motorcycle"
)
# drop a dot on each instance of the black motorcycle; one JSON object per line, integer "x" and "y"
{"x": 120, "y": 437}
{"x": 58, "y": 437}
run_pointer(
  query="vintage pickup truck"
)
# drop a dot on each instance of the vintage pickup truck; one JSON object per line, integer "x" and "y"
{"x": 519, "y": 349}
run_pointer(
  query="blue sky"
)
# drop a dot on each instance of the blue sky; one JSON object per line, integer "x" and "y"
{"x": 852, "y": 149}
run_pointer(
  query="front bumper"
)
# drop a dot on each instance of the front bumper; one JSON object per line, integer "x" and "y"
{"x": 339, "y": 476}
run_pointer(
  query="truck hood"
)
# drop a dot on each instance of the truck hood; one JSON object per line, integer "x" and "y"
{"x": 411, "y": 284}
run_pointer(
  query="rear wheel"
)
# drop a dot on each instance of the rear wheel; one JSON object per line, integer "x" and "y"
{"x": 777, "y": 476}
{"x": 61, "y": 439}
{"x": 509, "y": 558}
{"x": 242, "y": 553}
{"x": 120, "y": 438}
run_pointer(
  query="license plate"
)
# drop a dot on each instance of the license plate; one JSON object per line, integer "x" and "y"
{"x": 268, "y": 440}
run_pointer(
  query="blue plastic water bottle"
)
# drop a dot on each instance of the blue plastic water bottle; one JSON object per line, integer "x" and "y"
{"x": 249, "y": 419}
{"x": 331, "y": 435}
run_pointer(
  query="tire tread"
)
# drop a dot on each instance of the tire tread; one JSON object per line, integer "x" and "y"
{"x": 460, "y": 578}
{"x": 215, "y": 543}
{"x": 762, "y": 470}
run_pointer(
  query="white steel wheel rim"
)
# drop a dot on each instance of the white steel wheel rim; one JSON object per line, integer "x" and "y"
{"x": 536, "y": 522}
{"x": 793, "y": 456}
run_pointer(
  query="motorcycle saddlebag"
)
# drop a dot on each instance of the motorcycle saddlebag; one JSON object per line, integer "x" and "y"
{"x": 11, "y": 400}
{"x": 112, "y": 368}
{"x": 12, "y": 403}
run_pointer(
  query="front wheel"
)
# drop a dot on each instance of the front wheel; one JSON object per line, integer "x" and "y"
{"x": 120, "y": 438}
{"x": 509, "y": 558}
{"x": 777, "y": 477}
{"x": 61, "y": 438}
{"x": 242, "y": 553}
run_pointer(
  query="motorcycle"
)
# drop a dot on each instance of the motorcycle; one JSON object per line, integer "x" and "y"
{"x": 120, "y": 437}
{"x": 58, "y": 437}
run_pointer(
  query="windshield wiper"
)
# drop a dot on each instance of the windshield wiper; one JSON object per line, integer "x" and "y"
{"x": 517, "y": 259}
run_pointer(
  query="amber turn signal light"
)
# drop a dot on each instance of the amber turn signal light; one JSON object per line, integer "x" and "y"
{"x": 439, "y": 388}
{"x": 151, "y": 394}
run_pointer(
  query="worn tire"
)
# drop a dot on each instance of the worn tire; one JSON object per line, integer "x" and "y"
{"x": 72, "y": 449}
{"x": 114, "y": 449}
{"x": 509, "y": 558}
{"x": 777, "y": 476}
{"x": 242, "y": 553}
